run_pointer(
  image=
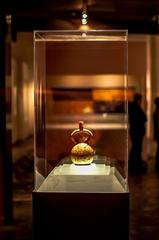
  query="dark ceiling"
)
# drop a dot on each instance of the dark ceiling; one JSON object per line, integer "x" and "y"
{"x": 138, "y": 16}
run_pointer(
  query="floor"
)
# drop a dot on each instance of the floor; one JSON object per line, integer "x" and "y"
{"x": 144, "y": 205}
{"x": 144, "y": 199}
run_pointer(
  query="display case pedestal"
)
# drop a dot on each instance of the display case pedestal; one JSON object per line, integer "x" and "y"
{"x": 62, "y": 215}
{"x": 81, "y": 117}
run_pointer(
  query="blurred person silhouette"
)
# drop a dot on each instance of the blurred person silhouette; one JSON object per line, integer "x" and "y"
{"x": 137, "y": 129}
{"x": 156, "y": 131}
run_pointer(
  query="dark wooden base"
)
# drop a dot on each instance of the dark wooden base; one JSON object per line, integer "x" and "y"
{"x": 80, "y": 216}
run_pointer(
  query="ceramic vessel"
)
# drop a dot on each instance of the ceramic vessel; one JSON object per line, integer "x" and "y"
{"x": 82, "y": 153}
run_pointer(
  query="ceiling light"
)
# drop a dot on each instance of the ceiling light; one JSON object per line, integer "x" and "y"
{"x": 84, "y": 17}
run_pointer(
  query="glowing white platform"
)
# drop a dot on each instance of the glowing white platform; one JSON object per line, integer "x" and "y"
{"x": 88, "y": 178}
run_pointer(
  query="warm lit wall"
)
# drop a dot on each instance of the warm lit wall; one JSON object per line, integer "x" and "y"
{"x": 155, "y": 65}
{"x": 22, "y": 87}
{"x": 22, "y": 76}
{"x": 97, "y": 66}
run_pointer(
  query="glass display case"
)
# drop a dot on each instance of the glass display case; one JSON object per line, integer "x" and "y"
{"x": 81, "y": 127}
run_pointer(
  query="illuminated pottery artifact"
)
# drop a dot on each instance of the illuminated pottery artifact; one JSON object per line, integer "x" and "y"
{"x": 82, "y": 153}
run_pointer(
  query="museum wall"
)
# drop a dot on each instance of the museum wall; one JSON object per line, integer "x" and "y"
{"x": 22, "y": 87}
{"x": 22, "y": 77}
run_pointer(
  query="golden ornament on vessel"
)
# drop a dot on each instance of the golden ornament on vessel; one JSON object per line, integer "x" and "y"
{"x": 82, "y": 153}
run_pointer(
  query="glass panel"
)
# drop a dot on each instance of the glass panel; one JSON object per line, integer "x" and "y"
{"x": 81, "y": 84}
